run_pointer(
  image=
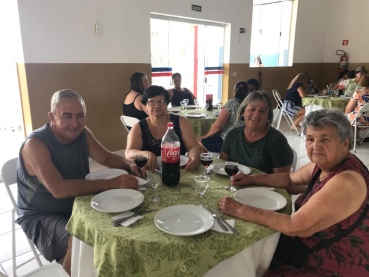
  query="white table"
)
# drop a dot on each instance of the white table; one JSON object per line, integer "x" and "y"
{"x": 252, "y": 261}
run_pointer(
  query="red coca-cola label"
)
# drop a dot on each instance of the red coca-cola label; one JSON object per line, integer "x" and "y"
{"x": 170, "y": 155}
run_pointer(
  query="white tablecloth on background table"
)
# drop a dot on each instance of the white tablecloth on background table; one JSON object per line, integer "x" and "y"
{"x": 252, "y": 261}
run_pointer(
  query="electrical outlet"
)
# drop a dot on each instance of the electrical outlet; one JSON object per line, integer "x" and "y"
{"x": 234, "y": 74}
{"x": 98, "y": 28}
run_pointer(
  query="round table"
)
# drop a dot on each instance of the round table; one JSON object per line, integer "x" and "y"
{"x": 200, "y": 125}
{"x": 143, "y": 250}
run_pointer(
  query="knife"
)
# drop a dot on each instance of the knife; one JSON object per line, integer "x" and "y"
{"x": 218, "y": 220}
{"x": 233, "y": 230}
{"x": 119, "y": 221}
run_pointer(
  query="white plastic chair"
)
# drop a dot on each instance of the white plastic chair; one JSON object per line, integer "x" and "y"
{"x": 280, "y": 106}
{"x": 354, "y": 123}
{"x": 128, "y": 121}
{"x": 9, "y": 175}
{"x": 52, "y": 270}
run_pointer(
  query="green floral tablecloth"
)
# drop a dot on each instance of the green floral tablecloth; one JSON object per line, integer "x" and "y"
{"x": 328, "y": 103}
{"x": 143, "y": 250}
{"x": 200, "y": 125}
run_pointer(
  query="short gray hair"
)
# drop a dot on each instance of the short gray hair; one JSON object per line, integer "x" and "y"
{"x": 259, "y": 95}
{"x": 66, "y": 94}
{"x": 329, "y": 119}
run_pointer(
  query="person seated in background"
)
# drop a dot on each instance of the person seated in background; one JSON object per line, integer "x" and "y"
{"x": 253, "y": 84}
{"x": 226, "y": 121}
{"x": 52, "y": 166}
{"x": 343, "y": 79}
{"x": 359, "y": 99}
{"x": 177, "y": 94}
{"x": 353, "y": 84}
{"x": 145, "y": 136}
{"x": 312, "y": 86}
{"x": 258, "y": 62}
{"x": 257, "y": 144}
{"x": 132, "y": 105}
{"x": 334, "y": 197}
{"x": 295, "y": 91}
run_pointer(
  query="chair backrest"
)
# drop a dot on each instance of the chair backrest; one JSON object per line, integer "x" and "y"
{"x": 293, "y": 166}
{"x": 277, "y": 98}
{"x": 128, "y": 121}
{"x": 364, "y": 109}
{"x": 9, "y": 175}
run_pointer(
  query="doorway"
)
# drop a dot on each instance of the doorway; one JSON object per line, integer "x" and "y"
{"x": 192, "y": 48}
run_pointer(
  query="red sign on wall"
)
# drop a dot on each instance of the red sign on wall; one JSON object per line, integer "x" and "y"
{"x": 345, "y": 42}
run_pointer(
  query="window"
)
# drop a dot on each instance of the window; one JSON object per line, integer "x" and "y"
{"x": 271, "y": 34}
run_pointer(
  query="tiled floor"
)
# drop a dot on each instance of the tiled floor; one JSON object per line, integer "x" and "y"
{"x": 23, "y": 249}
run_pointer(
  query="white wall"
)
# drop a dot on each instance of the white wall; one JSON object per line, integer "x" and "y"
{"x": 348, "y": 20}
{"x": 62, "y": 31}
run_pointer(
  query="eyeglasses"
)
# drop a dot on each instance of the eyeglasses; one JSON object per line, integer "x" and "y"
{"x": 154, "y": 102}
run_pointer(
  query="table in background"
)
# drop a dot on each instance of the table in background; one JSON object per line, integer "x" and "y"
{"x": 200, "y": 125}
{"x": 316, "y": 103}
{"x": 144, "y": 250}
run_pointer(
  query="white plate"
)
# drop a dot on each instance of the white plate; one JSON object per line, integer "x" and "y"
{"x": 182, "y": 162}
{"x": 194, "y": 114}
{"x": 184, "y": 220}
{"x": 104, "y": 174}
{"x": 219, "y": 168}
{"x": 190, "y": 107}
{"x": 217, "y": 113}
{"x": 117, "y": 200}
{"x": 344, "y": 96}
{"x": 174, "y": 110}
{"x": 321, "y": 96}
{"x": 261, "y": 198}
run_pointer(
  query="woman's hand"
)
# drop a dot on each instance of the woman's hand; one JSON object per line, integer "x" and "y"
{"x": 192, "y": 164}
{"x": 151, "y": 161}
{"x": 229, "y": 206}
{"x": 202, "y": 137}
{"x": 134, "y": 168}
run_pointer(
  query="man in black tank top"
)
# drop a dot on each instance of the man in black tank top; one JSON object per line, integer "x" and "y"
{"x": 51, "y": 170}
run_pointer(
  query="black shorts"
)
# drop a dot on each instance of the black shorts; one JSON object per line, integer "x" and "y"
{"x": 49, "y": 235}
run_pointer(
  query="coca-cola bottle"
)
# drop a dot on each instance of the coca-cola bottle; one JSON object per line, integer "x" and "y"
{"x": 170, "y": 157}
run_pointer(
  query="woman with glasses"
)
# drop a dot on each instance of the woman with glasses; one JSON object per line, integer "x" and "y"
{"x": 145, "y": 136}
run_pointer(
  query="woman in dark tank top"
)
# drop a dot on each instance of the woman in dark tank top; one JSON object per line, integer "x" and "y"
{"x": 138, "y": 83}
{"x": 177, "y": 94}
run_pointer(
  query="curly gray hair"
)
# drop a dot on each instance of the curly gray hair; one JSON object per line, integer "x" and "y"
{"x": 66, "y": 94}
{"x": 329, "y": 119}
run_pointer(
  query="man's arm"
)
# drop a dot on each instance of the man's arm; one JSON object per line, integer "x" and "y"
{"x": 107, "y": 158}
{"x": 38, "y": 162}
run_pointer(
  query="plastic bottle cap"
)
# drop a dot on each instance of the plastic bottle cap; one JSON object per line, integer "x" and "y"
{"x": 170, "y": 124}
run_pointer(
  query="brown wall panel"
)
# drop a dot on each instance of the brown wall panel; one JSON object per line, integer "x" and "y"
{"x": 273, "y": 77}
{"x": 103, "y": 87}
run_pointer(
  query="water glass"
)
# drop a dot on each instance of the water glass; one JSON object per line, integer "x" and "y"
{"x": 186, "y": 101}
{"x": 196, "y": 102}
{"x": 202, "y": 183}
{"x": 154, "y": 179}
{"x": 183, "y": 103}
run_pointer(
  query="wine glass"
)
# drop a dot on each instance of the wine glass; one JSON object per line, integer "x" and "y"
{"x": 206, "y": 106}
{"x": 140, "y": 160}
{"x": 206, "y": 160}
{"x": 186, "y": 101}
{"x": 202, "y": 183}
{"x": 183, "y": 103}
{"x": 231, "y": 168}
{"x": 196, "y": 102}
{"x": 154, "y": 179}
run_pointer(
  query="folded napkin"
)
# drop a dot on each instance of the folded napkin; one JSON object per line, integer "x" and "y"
{"x": 129, "y": 221}
{"x": 217, "y": 228}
